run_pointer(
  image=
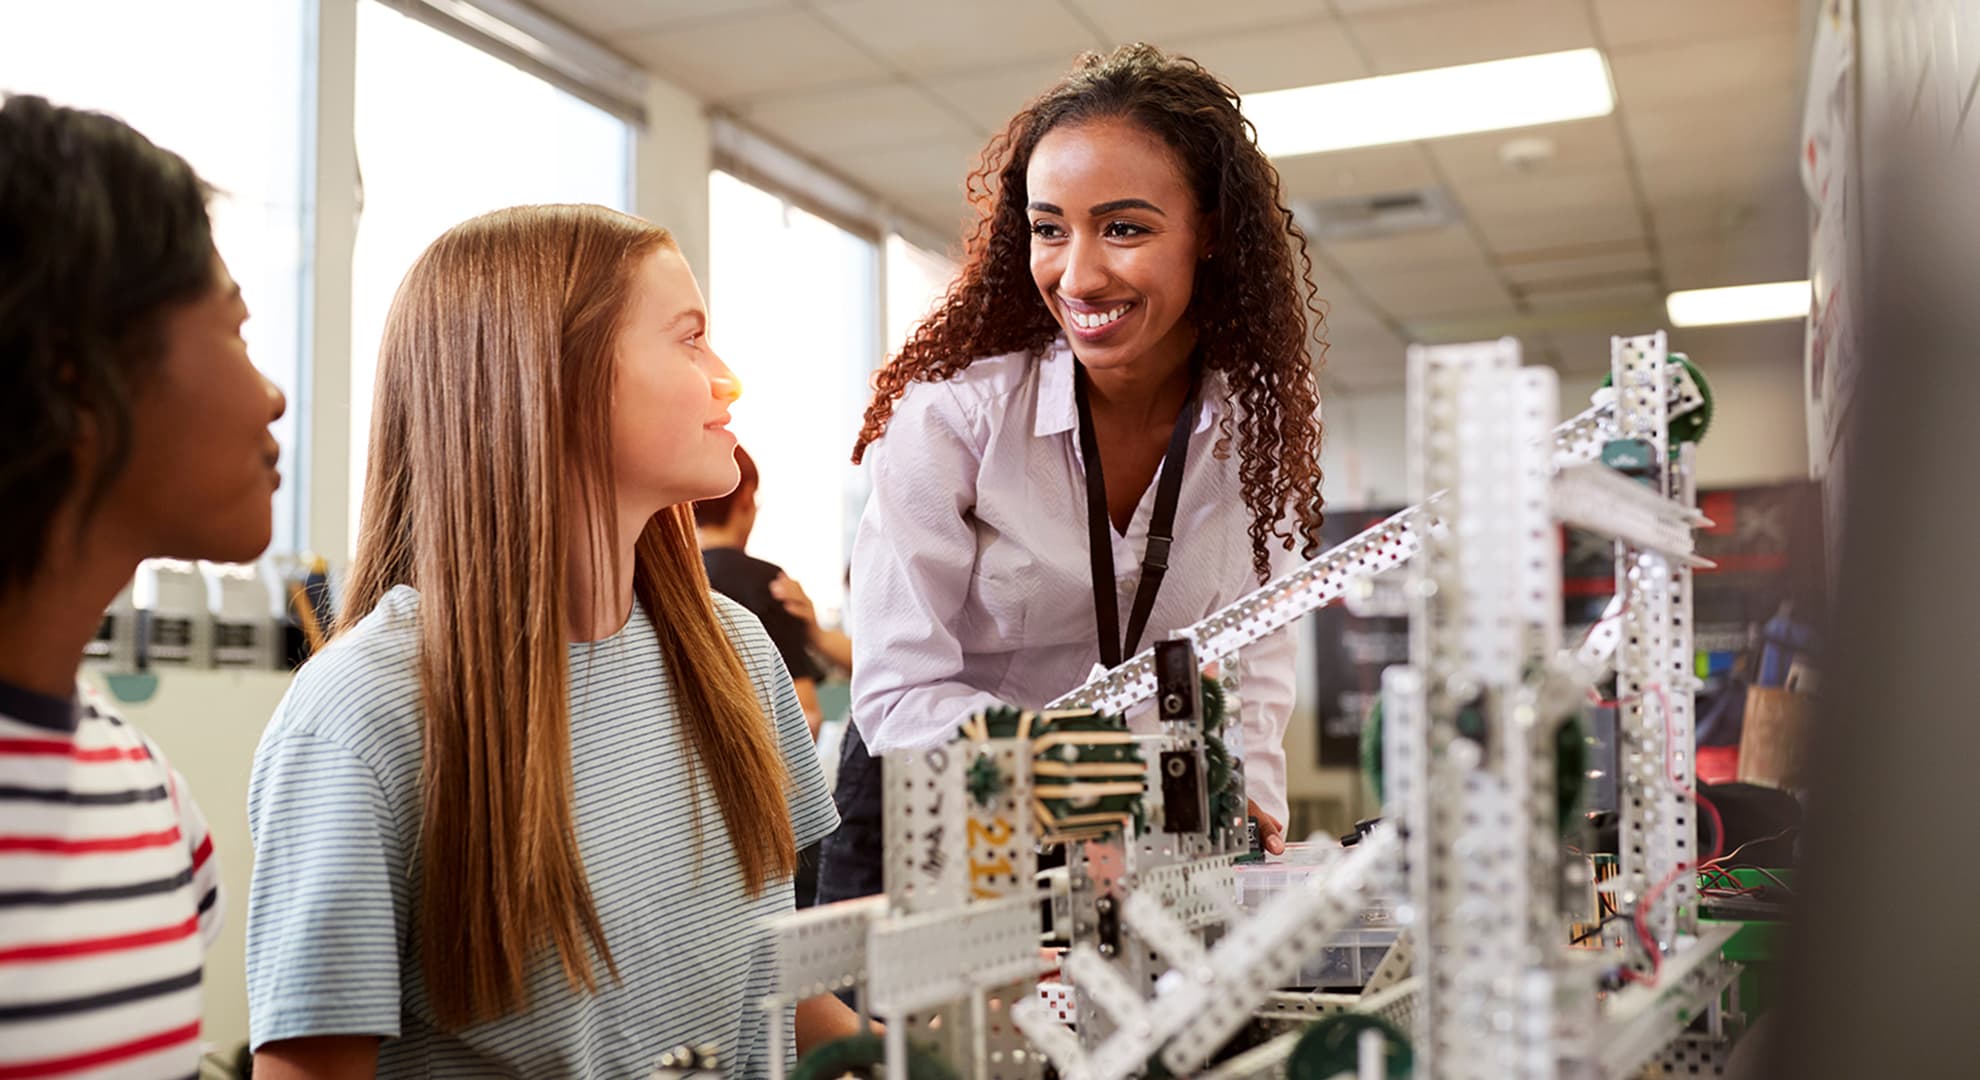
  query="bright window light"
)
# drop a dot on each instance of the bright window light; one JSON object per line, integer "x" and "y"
{"x": 1739, "y": 304}
{"x": 1431, "y": 104}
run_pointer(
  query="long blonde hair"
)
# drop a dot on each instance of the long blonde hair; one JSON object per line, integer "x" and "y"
{"x": 490, "y": 437}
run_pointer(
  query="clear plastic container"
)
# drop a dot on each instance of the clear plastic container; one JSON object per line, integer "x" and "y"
{"x": 1347, "y": 958}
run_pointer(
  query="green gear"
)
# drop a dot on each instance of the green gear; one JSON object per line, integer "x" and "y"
{"x": 985, "y": 782}
{"x": 863, "y": 1055}
{"x": 1216, "y": 707}
{"x": 1690, "y": 427}
{"x": 1332, "y": 1046}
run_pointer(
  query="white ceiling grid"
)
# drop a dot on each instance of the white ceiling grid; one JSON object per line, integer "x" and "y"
{"x": 1690, "y": 183}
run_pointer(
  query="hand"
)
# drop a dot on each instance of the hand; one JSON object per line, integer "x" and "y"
{"x": 790, "y": 594}
{"x": 1271, "y": 833}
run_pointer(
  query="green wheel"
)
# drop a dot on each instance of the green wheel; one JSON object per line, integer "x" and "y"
{"x": 1691, "y": 426}
{"x": 1333, "y": 1046}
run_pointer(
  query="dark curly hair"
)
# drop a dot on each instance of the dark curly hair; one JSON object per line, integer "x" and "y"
{"x": 101, "y": 234}
{"x": 1250, "y": 303}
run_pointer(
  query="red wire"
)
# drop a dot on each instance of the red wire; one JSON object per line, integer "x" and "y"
{"x": 1687, "y": 791}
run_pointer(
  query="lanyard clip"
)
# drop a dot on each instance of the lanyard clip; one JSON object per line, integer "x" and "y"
{"x": 1156, "y": 557}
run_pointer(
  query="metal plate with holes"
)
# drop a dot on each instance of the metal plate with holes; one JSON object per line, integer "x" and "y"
{"x": 925, "y": 806}
{"x": 821, "y": 949}
{"x": 1197, "y": 893}
{"x": 983, "y": 945}
{"x": 1008, "y": 1053}
{"x": 1691, "y": 1055}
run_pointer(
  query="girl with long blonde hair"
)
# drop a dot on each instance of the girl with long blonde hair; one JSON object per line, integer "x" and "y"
{"x": 526, "y": 814}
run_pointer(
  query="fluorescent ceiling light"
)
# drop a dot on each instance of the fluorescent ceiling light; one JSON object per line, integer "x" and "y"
{"x": 1431, "y": 104}
{"x": 1739, "y": 304}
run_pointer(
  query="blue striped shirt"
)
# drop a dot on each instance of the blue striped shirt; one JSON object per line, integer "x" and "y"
{"x": 334, "y": 808}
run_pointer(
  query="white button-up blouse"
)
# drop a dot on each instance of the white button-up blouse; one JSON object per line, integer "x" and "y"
{"x": 971, "y": 579}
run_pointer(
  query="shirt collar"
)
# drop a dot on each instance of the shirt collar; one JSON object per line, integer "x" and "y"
{"x": 1058, "y": 412}
{"x": 38, "y": 709}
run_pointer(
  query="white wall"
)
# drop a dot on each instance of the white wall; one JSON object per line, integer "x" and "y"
{"x": 1757, "y": 435}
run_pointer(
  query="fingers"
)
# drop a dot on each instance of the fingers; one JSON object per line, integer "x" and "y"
{"x": 1271, "y": 833}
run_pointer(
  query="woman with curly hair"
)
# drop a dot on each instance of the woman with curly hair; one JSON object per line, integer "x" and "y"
{"x": 1051, "y": 454}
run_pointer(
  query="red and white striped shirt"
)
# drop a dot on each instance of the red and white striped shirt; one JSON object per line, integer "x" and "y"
{"x": 109, "y": 896}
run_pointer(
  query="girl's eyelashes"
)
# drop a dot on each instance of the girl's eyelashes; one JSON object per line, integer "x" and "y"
{"x": 1121, "y": 230}
{"x": 1046, "y": 230}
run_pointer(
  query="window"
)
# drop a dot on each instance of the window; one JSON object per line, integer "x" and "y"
{"x": 446, "y": 132}
{"x": 218, "y": 82}
{"x": 917, "y": 279}
{"x": 794, "y": 310}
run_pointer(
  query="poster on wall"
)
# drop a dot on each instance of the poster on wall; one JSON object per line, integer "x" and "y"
{"x": 1765, "y": 545}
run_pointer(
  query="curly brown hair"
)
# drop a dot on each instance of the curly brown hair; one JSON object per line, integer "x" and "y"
{"x": 1250, "y": 302}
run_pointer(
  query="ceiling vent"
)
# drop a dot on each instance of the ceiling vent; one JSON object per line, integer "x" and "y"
{"x": 1358, "y": 217}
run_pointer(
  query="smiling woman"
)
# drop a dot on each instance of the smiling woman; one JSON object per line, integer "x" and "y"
{"x": 1055, "y": 438}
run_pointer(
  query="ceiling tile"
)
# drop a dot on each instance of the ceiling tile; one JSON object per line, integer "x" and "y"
{"x": 928, "y": 39}
{"x": 1578, "y": 146}
{"x": 1712, "y": 242}
{"x": 863, "y": 118}
{"x": 1160, "y": 21}
{"x": 1586, "y": 350}
{"x": 1765, "y": 121}
{"x": 1435, "y": 290}
{"x": 1450, "y": 244}
{"x": 1698, "y": 72}
{"x": 1606, "y": 188}
{"x": 990, "y": 98}
{"x": 740, "y": 58}
{"x": 1709, "y": 262}
{"x": 1625, "y": 23}
{"x": 1376, "y": 7}
{"x": 1414, "y": 38}
{"x": 1371, "y": 171}
{"x": 931, "y": 166}
{"x": 1587, "y": 292}
{"x": 608, "y": 18}
{"x": 1301, "y": 54}
{"x": 1772, "y": 216}
{"x": 1511, "y": 234}
{"x": 1579, "y": 264}
{"x": 1738, "y": 175}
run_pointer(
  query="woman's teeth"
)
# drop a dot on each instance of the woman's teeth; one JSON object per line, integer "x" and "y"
{"x": 1095, "y": 321}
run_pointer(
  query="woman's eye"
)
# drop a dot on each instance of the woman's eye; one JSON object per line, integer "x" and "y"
{"x": 1045, "y": 230}
{"x": 1119, "y": 229}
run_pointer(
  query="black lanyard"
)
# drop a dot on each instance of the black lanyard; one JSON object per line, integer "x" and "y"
{"x": 1099, "y": 528}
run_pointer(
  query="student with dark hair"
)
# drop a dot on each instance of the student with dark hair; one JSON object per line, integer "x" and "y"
{"x": 1108, "y": 429}
{"x": 722, "y": 527}
{"x": 134, "y": 426}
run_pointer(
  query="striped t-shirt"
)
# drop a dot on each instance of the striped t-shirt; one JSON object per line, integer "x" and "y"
{"x": 334, "y": 804}
{"x": 109, "y": 896}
